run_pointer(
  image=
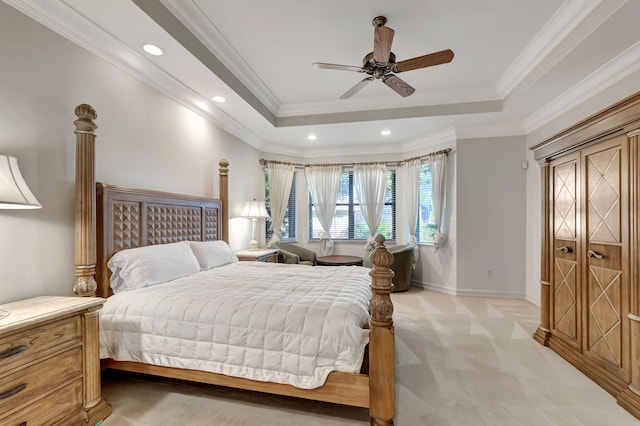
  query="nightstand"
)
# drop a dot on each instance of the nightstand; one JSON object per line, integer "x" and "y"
{"x": 263, "y": 255}
{"x": 50, "y": 362}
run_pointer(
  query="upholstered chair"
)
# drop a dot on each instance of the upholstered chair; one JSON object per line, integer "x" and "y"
{"x": 293, "y": 253}
{"x": 402, "y": 266}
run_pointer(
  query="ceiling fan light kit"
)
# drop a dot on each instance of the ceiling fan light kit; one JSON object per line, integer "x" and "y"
{"x": 381, "y": 63}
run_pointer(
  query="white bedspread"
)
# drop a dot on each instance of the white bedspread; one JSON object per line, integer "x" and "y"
{"x": 261, "y": 321}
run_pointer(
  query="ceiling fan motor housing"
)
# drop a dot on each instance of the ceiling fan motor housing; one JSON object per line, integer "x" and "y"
{"x": 375, "y": 69}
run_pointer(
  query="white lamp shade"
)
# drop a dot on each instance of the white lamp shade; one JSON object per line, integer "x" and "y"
{"x": 254, "y": 209}
{"x": 14, "y": 192}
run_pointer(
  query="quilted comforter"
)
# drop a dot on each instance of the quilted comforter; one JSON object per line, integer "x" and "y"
{"x": 261, "y": 321}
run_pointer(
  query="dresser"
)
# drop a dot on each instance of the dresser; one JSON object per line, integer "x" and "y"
{"x": 590, "y": 280}
{"x": 50, "y": 364}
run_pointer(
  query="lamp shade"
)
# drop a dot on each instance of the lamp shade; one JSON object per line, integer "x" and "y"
{"x": 14, "y": 192}
{"x": 254, "y": 209}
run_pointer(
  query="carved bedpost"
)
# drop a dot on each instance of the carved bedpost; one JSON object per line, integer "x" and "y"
{"x": 382, "y": 363}
{"x": 224, "y": 197}
{"x": 85, "y": 202}
{"x": 542, "y": 333}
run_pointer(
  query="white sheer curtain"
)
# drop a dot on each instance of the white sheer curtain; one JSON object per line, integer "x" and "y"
{"x": 438, "y": 163}
{"x": 370, "y": 185}
{"x": 280, "y": 179}
{"x": 409, "y": 180}
{"x": 323, "y": 183}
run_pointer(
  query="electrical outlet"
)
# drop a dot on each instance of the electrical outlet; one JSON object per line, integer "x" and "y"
{"x": 489, "y": 272}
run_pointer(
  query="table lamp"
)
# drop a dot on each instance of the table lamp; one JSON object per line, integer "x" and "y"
{"x": 14, "y": 192}
{"x": 254, "y": 210}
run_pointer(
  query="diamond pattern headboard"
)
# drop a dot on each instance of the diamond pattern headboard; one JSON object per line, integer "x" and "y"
{"x": 128, "y": 218}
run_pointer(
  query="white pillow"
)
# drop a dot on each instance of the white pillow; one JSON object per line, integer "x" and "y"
{"x": 144, "y": 266}
{"x": 212, "y": 254}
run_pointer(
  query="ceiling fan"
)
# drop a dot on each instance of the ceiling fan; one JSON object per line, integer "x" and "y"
{"x": 381, "y": 63}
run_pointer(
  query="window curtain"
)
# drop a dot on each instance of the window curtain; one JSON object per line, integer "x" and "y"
{"x": 323, "y": 183}
{"x": 280, "y": 178}
{"x": 410, "y": 199}
{"x": 438, "y": 163}
{"x": 370, "y": 185}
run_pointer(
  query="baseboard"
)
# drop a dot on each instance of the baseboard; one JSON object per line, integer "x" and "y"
{"x": 434, "y": 287}
{"x": 469, "y": 292}
{"x": 490, "y": 293}
{"x": 533, "y": 300}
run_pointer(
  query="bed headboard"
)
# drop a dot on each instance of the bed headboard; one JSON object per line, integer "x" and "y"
{"x": 109, "y": 219}
{"x": 128, "y": 218}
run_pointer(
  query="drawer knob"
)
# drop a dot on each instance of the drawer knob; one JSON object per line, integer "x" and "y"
{"x": 13, "y": 391}
{"x": 12, "y": 352}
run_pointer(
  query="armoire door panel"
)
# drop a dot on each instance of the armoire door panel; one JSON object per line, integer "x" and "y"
{"x": 603, "y": 196}
{"x": 566, "y": 313}
{"x": 564, "y": 200}
{"x": 565, "y": 301}
{"x": 604, "y": 326}
{"x": 604, "y": 229}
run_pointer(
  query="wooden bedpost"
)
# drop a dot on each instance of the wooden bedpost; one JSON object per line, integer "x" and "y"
{"x": 85, "y": 202}
{"x": 382, "y": 360}
{"x": 224, "y": 197}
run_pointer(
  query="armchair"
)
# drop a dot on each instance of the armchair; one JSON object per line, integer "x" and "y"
{"x": 293, "y": 253}
{"x": 402, "y": 266}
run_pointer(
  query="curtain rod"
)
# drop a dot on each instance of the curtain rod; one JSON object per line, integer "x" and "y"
{"x": 264, "y": 162}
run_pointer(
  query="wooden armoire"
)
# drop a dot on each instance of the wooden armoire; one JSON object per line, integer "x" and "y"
{"x": 590, "y": 301}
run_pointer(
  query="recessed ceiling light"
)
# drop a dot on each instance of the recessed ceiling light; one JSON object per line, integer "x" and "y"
{"x": 152, "y": 49}
{"x": 385, "y": 132}
{"x": 312, "y": 137}
{"x": 219, "y": 99}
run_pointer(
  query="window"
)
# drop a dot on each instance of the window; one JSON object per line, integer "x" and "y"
{"x": 287, "y": 231}
{"x": 426, "y": 226}
{"x": 348, "y": 224}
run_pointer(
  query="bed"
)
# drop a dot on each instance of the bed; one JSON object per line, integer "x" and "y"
{"x": 111, "y": 220}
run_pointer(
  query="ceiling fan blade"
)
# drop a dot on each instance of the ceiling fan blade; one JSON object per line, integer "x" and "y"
{"x": 429, "y": 60}
{"x": 382, "y": 39}
{"x": 400, "y": 86}
{"x": 355, "y": 89}
{"x": 338, "y": 67}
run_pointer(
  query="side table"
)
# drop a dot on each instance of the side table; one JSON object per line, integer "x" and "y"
{"x": 339, "y": 261}
{"x": 260, "y": 255}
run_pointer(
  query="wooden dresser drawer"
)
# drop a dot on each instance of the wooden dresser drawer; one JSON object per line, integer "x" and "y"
{"x": 48, "y": 409}
{"x": 21, "y": 348}
{"x": 23, "y": 386}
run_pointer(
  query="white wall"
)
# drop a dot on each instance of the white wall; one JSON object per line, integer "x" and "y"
{"x": 491, "y": 185}
{"x": 144, "y": 140}
{"x": 533, "y": 230}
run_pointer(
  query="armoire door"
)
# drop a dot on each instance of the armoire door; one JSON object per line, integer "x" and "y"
{"x": 605, "y": 253}
{"x": 565, "y": 297}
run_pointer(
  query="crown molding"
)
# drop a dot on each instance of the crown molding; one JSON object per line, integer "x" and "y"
{"x": 188, "y": 12}
{"x": 566, "y": 19}
{"x": 604, "y": 77}
{"x": 77, "y": 28}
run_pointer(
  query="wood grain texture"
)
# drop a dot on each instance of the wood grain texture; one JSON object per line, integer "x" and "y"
{"x": 543, "y": 331}
{"x": 50, "y": 362}
{"x": 342, "y": 388}
{"x": 85, "y": 223}
{"x": 596, "y": 283}
{"x": 129, "y": 218}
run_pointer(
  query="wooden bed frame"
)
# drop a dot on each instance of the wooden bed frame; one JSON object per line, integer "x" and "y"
{"x": 129, "y": 218}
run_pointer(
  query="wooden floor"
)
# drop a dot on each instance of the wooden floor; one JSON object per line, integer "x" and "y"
{"x": 461, "y": 361}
